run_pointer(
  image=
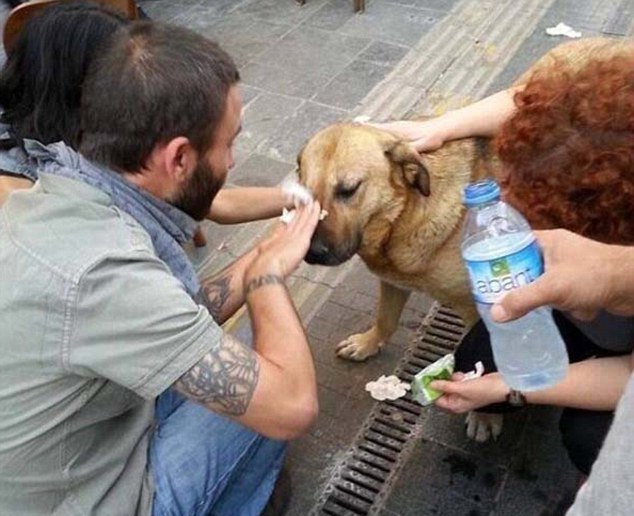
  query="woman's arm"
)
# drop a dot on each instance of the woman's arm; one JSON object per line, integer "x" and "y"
{"x": 594, "y": 384}
{"x": 482, "y": 118}
{"x": 246, "y": 204}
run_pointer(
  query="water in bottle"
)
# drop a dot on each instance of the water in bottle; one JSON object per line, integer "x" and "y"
{"x": 501, "y": 254}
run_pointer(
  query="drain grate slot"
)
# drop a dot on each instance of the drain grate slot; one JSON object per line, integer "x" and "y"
{"x": 356, "y": 492}
{"x": 385, "y": 442}
{"x": 447, "y": 328}
{"x": 449, "y": 318}
{"x": 332, "y": 508}
{"x": 369, "y": 483}
{"x": 379, "y": 451}
{"x": 367, "y": 470}
{"x": 423, "y": 357}
{"x": 371, "y": 460}
{"x": 393, "y": 425}
{"x": 365, "y": 475}
{"x": 443, "y": 346}
{"x": 388, "y": 431}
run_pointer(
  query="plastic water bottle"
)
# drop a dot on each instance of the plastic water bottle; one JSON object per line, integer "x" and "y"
{"x": 501, "y": 254}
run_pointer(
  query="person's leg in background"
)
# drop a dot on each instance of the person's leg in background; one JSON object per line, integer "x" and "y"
{"x": 204, "y": 464}
{"x": 583, "y": 433}
{"x": 12, "y": 3}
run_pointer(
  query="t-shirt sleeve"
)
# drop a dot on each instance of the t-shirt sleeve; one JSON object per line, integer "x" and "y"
{"x": 134, "y": 324}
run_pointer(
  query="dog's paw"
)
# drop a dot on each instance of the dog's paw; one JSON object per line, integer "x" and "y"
{"x": 482, "y": 426}
{"x": 357, "y": 347}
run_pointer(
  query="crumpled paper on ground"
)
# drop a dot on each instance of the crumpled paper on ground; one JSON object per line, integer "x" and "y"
{"x": 561, "y": 29}
{"x": 387, "y": 388}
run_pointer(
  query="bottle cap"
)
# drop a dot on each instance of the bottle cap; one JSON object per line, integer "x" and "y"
{"x": 481, "y": 191}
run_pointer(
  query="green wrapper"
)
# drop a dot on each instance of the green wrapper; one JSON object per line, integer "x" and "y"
{"x": 441, "y": 369}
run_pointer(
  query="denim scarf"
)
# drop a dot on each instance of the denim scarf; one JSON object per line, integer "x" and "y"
{"x": 167, "y": 226}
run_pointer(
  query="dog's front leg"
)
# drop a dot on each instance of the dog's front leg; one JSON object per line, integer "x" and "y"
{"x": 363, "y": 345}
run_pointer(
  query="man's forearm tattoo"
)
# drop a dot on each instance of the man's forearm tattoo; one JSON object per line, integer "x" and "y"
{"x": 218, "y": 291}
{"x": 260, "y": 281}
{"x": 224, "y": 380}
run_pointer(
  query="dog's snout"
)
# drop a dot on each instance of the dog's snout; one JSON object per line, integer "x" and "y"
{"x": 318, "y": 252}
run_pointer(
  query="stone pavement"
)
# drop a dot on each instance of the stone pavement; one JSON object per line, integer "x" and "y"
{"x": 306, "y": 67}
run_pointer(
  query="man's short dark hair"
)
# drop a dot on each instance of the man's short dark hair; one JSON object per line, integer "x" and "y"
{"x": 155, "y": 82}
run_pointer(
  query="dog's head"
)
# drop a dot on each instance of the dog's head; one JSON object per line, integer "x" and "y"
{"x": 362, "y": 177}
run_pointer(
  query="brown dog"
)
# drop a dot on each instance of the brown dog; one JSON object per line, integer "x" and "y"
{"x": 402, "y": 212}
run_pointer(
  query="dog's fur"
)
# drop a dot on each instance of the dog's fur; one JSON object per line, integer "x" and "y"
{"x": 402, "y": 212}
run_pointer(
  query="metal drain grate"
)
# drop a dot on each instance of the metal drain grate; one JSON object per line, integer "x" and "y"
{"x": 364, "y": 477}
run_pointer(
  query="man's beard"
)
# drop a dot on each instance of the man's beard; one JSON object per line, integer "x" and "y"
{"x": 196, "y": 196}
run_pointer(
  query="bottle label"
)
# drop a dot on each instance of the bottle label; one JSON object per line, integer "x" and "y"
{"x": 491, "y": 279}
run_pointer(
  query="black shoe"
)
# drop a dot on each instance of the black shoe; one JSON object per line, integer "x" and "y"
{"x": 281, "y": 495}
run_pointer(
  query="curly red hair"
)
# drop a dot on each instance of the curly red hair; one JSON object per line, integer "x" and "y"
{"x": 568, "y": 152}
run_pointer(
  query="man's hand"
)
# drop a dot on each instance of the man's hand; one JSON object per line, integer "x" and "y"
{"x": 280, "y": 254}
{"x": 581, "y": 276}
{"x": 459, "y": 396}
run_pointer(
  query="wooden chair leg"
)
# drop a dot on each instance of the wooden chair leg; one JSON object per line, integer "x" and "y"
{"x": 359, "y": 6}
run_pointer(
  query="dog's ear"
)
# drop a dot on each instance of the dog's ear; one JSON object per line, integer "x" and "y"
{"x": 414, "y": 169}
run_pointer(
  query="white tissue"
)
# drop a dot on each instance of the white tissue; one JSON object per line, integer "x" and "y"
{"x": 295, "y": 192}
{"x": 477, "y": 373}
{"x": 288, "y": 215}
{"x": 387, "y": 388}
{"x": 361, "y": 119}
{"x": 561, "y": 29}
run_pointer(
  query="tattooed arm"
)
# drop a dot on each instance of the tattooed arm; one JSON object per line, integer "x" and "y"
{"x": 272, "y": 388}
{"x": 223, "y": 293}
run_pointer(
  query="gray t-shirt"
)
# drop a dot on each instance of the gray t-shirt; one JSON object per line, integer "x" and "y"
{"x": 608, "y": 331}
{"x": 610, "y": 487}
{"x": 94, "y": 327}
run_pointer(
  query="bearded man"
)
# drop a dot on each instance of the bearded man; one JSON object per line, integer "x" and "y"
{"x": 119, "y": 391}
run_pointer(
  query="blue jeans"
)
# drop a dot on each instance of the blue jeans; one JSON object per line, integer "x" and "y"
{"x": 203, "y": 464}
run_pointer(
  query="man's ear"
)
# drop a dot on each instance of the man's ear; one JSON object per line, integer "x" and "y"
{"x": 414, "y": 170}
{"x": 179, "y": 159}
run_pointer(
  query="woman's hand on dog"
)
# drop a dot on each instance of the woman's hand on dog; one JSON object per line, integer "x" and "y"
{"x": 464, "y": 396}
{"x": 424, "y": 135}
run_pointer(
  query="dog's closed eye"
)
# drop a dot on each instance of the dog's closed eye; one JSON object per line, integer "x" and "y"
{"x": 344, "y": 192}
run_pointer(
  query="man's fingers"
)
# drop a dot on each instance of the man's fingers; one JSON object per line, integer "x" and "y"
{"x": 521, "y": 301}
{"x": 308, "y": 217}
